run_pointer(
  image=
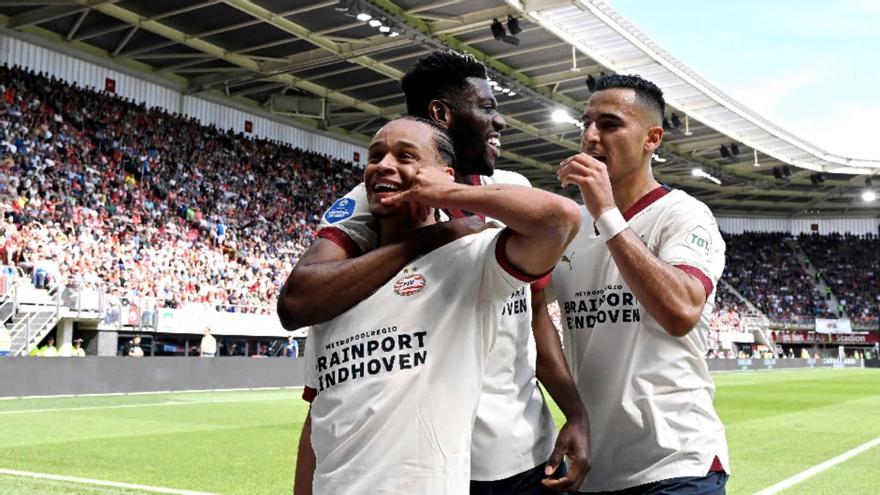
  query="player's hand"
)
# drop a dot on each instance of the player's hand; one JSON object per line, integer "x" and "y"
{"x": 428, "y": 186}
{"x": 591, "y": 177}
{"x": 573, "y": 441}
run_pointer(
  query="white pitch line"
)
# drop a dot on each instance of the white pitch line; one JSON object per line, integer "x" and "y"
{"x": 153, "y": 392}
{"x": 114, "y": 484}
{"x": 154, "y": 404}
{"x": 803, "y": 475}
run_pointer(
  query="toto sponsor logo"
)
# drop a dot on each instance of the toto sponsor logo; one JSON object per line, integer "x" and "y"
{"x": 410, "y": 285}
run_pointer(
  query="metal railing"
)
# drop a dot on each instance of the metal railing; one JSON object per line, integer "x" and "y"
{"x": 8, "y": 298}
{"x": 31, "y": 322}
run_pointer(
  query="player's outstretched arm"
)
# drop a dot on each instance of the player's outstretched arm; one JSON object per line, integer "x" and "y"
{"x": 305, "y": 460}
{"x": 541, "y": 223}
{"x": 327, "y": 282}
{"x": 573, "y": 439}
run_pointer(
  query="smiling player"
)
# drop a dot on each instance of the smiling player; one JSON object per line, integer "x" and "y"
{"x": 395, "y": 381}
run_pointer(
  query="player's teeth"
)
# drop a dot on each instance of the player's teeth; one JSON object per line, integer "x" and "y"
{"x": 384, "y": 187}
{"x": 494, "y": 142}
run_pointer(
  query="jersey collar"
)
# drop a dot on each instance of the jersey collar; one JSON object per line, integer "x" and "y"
{"x": 646, "y": 201}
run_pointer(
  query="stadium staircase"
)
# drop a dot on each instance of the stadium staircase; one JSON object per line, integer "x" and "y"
{"x": 755, "y": 321}
{"x": 7, "y": 300}
{"x": 810, "y": 269}
{"x": 33, "y": 320}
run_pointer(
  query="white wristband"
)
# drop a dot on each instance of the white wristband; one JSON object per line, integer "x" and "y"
{"x": 610, "y": 223}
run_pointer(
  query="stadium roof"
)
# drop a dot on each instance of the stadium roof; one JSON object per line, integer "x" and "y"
{"x": 254, "y": 49}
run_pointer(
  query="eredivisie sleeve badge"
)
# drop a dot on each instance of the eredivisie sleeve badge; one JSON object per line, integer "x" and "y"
{"x": 410, "y": 283}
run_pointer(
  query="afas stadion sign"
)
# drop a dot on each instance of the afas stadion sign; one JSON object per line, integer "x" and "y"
{"x": 803, "y": 337}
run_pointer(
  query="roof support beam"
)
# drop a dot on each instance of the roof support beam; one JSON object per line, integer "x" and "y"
{"x": 186, "y": 63}
{"x": 257, "y": 89}
{"x": 342, "y": 119}
{"x": 364, "y": 124}
{"x": 46, "y": 14}
{"x": 243, "y": 62}
{"x": 125, "y": 40}
{"x": 163, "y": 15}
{"x": 149, "y": 48}
{"x": 77, "y": 24}
{"x": 34, "y": 3}
{"x": 432, "y": 6}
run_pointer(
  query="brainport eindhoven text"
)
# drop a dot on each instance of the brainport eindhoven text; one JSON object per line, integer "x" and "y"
{"x": 383, "y": 350}
{"x": 609, "y": 305}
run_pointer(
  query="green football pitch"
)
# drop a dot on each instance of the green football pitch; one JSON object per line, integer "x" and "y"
{"x": 779, "y": 424}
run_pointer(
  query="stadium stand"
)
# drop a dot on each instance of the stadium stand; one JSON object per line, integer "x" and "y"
{"x": 764, "y": 269}
{"x": 99, "y": 190}
{"x": 849, "y": 264}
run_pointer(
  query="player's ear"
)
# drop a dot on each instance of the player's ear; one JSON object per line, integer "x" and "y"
{"x": 653, "y": 139}
{"x": 440, "y": 113}
{"x": 450, "y": 171}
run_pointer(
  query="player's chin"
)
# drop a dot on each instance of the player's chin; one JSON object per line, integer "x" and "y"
{"x": 378, "y": 210}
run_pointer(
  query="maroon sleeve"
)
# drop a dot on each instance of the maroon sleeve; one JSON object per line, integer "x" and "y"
{"x": 542, "y": 283}
{"x": 501, "y": 256}
{"x": 699, "y": 275}
{"x": 341, "y": 239}
{"x": 309, "y": 394}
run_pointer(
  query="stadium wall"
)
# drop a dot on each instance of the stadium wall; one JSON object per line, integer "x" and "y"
{"x": 68, "y": 66}
{"x": 795, "y": 226}
{"x": 33, "y": 376}
{"x": 749, "y": 364}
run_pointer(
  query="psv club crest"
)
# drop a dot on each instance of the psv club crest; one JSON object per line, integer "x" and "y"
{"x": 410, "y": 284}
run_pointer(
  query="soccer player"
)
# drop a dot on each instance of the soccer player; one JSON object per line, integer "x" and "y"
{"x": 395, "y": 381}
{"x": 636, "y": 294}
{"x": 514, "y": 432}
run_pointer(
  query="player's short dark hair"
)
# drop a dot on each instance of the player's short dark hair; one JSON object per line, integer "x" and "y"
{"x": 647, "y": 92}
{"x": 442, "y": 141}
{"x": 440, "y": 74}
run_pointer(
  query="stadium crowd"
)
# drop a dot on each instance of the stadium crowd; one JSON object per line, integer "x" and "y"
{"x": 849, "y": 264}
{"x": 765, "y": 270}
{"x": 98, "y": 190}
{"x": 729, "y": 311}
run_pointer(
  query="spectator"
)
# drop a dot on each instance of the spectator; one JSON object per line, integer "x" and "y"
{"x": 133, "y": 347}
{"x": 209, "y": 344}
{"x": 292, "y": 347}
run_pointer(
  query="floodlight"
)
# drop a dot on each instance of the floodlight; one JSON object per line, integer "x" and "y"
{"x": 869, "y": 196}
{"x": 560, "y": 116}
{"x": 384, "y": 29}
{"x": 591, "y": 83}
{"x": 498, "y": 29}
{"x": 513, "y": 25}
{"x": 363, "y": 17}
{"x": 375, "y": 23}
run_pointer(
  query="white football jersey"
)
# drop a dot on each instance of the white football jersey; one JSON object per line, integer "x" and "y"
{"x": 398, "y": 377}
{"x": 514, "y": 430}
{"x": 649, "y": 394}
